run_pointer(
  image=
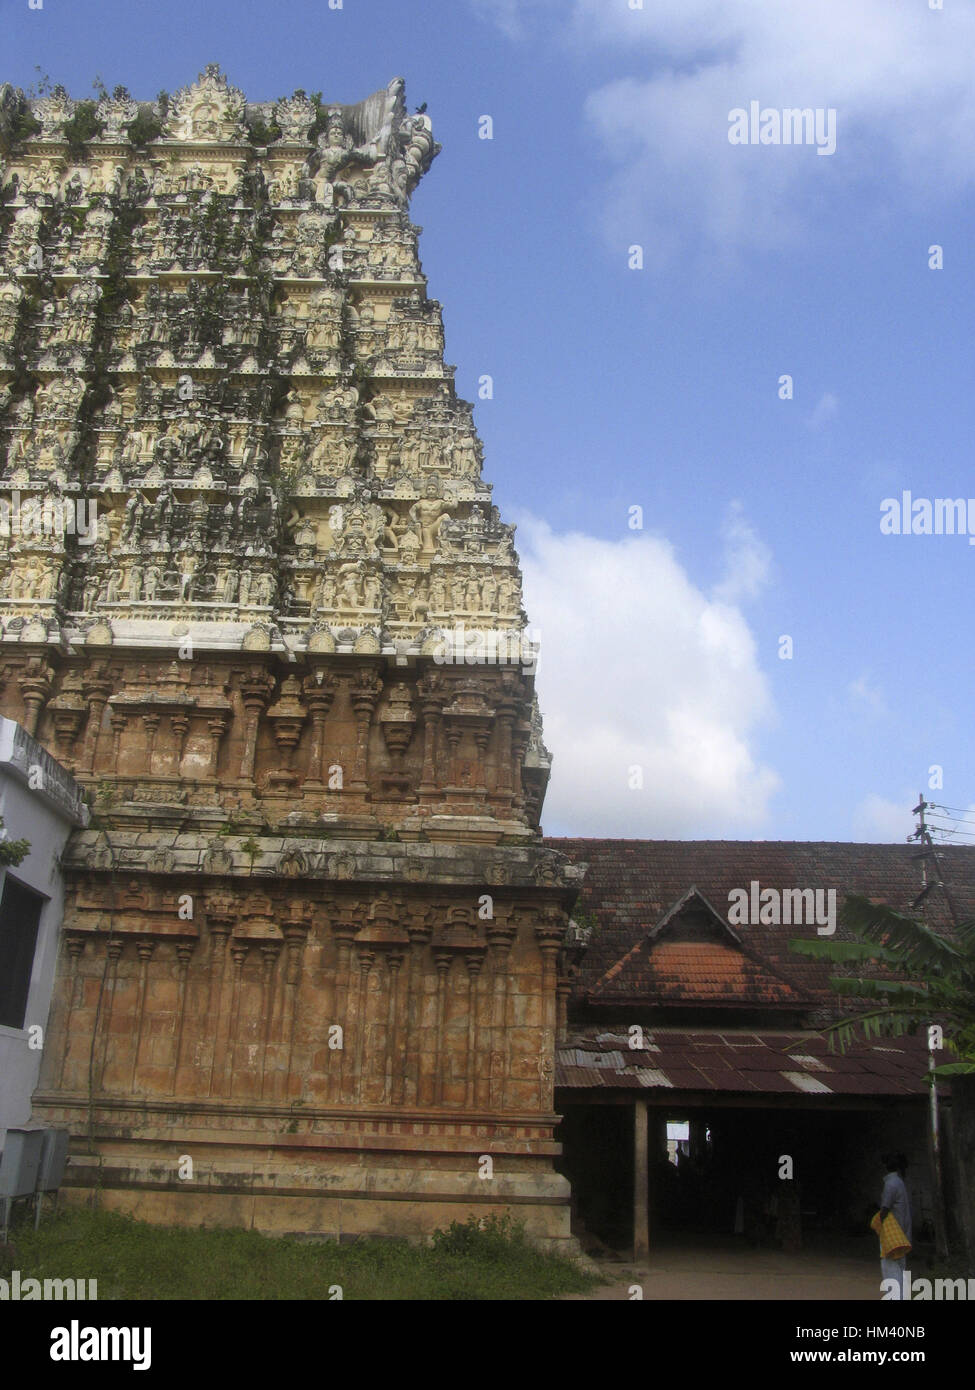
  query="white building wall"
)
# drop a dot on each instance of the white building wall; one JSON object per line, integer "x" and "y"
{"x": 39, "y": 802}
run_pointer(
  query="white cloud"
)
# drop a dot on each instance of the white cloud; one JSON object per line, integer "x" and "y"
{"x": 897, "y": 73}
{"x": 639, "y": 667}
{"x": 512, "y": 17}
{"x": 865, "y": 696}
{"x": 506, "y": 14}
{"x": 747, "y": 559}
{"x": 876, "y": 820}
{"x": 825, "y": 409}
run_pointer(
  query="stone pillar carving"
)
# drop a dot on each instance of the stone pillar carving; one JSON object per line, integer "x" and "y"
{"x": 501, "y": 933}
{"x": 144, "y": 950}
{"x": 180, "y": 725}
{"x": 119, "y": 721}
{"x": 365, "y": 957}
{"x": 296, "y": 928}
{"x": 96, "y": 688}
{"x": 395, "y": 1060}
{"x": 216, "y": 727}
{"x": 549, "y": 932}
{"x": 34, "y": 683}
{"x": 563, "y": 992}
{"x": 113, "y": 953}
{"x": 74, "y": 945}
{"x": 364, "y": 696}
{"x": 475, "y": 962}
{"x": 67, "y": 713}
{"x": 520, "y": 735}
{"x": 442, "y": 960}
{"x": 255, "y": 691}
{"x": 270, "y": 950}
{"x": 184, "y": 951}
{"x": 507, "y": 711}
{"x": 343, "y": 930}
{"x": 482, "y": 736}
{"x": 286, "y": 716}
{"x": 453, "y": 745}
{"x": 220, "y": 922}
{"x": 150, "y": 723}
{"x": 319, "y": 692}
{"x": 410, "y": 1078}
{"x": 397, "y": 721}
{"x": 238, "y": 954}
{"x": 431, "y": 705}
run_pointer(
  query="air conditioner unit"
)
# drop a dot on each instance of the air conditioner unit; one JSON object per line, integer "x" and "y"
{"x": 54, "y": 1156}
{"x": 19, "y": 1168}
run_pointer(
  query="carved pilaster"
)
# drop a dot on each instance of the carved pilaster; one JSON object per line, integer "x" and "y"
{"x": 501, "y": 933}
{"x": 118, "y": 719}
{"x": 286, "y": 716}
{"x": 220, "y": 923}
{"x": 270, "y": 950}
{"x": 410, "y": 1083}
{"x": 238, "y": 954}
{"x": 520, "y": 735}
{"x": 431, "y": 708}
{"x": 34, "y": 684}
{"x": 363, "y": 696}
{"x": 394, "y": 959}
{"x": 67, "y": 712}
{"x": 475, "y": 964}
{"x": 255, "y": 691}
{"x": 216, "y": 728}
{"x": 365, "y": 957}
{"x": 549, "y": 934}
{"x": 507, "y": 713}
{"x": 145, "y": 951}
{"x": 74, "y": 945}
{"x": 184, "y": 952}
{"x": 180, "y": 725}
{"x": 96, "y": 687}
{"x": 442, "y": 960}
{"x": 319, "y": 692}
{"x": 295, "y": 928}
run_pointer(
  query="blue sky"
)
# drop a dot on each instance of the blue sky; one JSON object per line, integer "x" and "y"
{"x": 658, "y": 388}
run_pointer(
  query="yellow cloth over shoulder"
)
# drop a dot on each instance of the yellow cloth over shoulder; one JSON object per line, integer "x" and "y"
{"x": 893, "y": 1242}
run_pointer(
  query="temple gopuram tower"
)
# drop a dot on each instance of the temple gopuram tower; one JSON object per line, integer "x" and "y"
{"x": 255, "y": 597}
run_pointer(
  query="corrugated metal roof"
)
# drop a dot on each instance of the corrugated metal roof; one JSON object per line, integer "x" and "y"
{"x": 648, "y": 1077}
{"x": 774, "y": 1063}
{"x": 813, "y": 1063}
{"x": 803, "y": 1082}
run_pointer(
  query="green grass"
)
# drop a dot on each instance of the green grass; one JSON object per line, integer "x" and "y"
{"x": 132, "y": 1260}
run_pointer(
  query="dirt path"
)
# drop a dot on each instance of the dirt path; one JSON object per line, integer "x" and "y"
{"x": 723, "y": 1273}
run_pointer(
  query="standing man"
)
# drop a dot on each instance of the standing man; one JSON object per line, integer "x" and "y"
{"x": 894, "y": 1201}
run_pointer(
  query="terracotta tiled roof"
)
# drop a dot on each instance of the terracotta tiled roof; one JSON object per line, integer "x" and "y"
{"x": 690, "y": 972}
{"x": 692, "y": 956}
{"x": 631, "y": 884}
{"x": 770, "y": 1063}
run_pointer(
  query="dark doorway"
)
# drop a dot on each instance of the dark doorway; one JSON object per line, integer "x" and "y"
{"x": 770, "y": 1177}
{"x": 20, "y": 914}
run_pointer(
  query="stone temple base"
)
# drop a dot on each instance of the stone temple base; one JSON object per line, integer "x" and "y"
{"x": 348, "y": 1178}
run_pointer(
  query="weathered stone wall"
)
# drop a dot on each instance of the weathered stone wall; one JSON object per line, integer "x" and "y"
{"x": 255, "y": 596}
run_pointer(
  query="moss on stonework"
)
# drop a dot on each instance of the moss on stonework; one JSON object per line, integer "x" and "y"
{"x": 21, "y": 128}
{"x": 321, "y": 115}
{"x": 83, "y": 126}
{"x": 261, "y": 132}
{"x": 145, "y": 128}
